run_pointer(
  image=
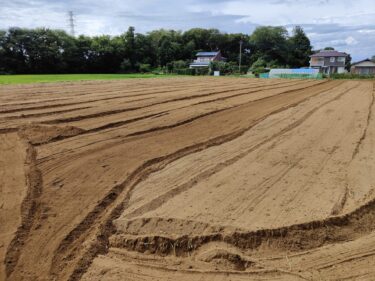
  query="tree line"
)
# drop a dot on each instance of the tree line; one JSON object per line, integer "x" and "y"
{"x": 29, "y": 51}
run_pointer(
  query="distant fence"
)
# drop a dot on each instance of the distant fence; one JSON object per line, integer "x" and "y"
{"x": 301, "y": 73}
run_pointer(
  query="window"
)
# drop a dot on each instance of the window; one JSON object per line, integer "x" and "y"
{"x": 341, "y": 59}
{"x": 332, "y": 59}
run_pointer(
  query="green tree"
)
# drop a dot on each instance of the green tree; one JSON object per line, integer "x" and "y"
{"x": 348, "y": 63}
{"x": 200, "y": 37}
{"x": 2, "y": 51}
{"x": 300, "y": 48}
{"x": 82, "y": 56}
{"x": 165, "y": 51}
{"x": 179, "y": 64}
{"x": 105, "y": 54}
{"x": 14, "y": 49}
{"x": 259, "y": 66}
{"x": 270, "y": 44}
{"x": 37, "y": 51}
{"x": 189, "y": 50}
{"x": 230, "y": 48}
{"x": 126, "y": 66}
{"x": 144, "y": 51}
{"x": 71, "y": 60}
{"x": 54, "y": 51}
{"x": 130, "y": 48}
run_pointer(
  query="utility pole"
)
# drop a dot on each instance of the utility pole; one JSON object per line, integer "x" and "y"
{"x": 239, "y": 65}
{"x": 71, "y": 22}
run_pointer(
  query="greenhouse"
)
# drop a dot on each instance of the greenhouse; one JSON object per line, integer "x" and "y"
{"x": 308, "y": 73}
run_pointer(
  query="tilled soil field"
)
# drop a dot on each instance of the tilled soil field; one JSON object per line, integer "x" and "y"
{"x": 188, "y": 179}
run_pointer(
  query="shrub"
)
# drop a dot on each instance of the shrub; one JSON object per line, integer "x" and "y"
{"x": 351, "y": 76}
{"x": 126, "y": 66}
{"x": 244, "y": 69}
{"x": 227, "y": 68}
{"x": 157, "y": 71}
{"x": 259, "y": 66}
{"x": 145, "y": 68}
{"x": 185, "y": 71}
{"x": 202, "y": 71}
{"x": 259, "y": 70}
{"x": 179, "y": 64}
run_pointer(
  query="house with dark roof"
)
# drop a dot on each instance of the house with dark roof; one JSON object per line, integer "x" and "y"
{"x": 364, "y": 67}
{"x": 329, "y": 62}
{"x": 204, "y": 58}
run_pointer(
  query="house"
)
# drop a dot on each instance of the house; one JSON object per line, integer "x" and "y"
{"x": 329, "y": 62}
{"x": 204, "y": 59}
{"x": 364, "y": 67}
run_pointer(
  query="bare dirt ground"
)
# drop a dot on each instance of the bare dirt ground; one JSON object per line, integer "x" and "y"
{"x": 188, "y": 179}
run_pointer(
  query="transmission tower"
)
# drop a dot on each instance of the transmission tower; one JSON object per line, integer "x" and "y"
{"x": 71, "y": 22}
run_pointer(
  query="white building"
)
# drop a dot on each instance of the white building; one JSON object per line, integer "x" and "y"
{"x": 204, "y": 59}
{"x": 329, "y": 62}
{"x": 364, "y": 67}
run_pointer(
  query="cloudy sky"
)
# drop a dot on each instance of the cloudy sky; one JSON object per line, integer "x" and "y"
{"x": 347, "y": 25}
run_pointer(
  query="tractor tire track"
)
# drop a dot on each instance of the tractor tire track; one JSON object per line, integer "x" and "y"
{"x": 132, "y": 120}
{"x": 29, "y": 209}
{"x": 369, "y": 116}
{"x": 155, "y": 203}
{"x": 117, "y": 195}
{"x": 112, "y": 112}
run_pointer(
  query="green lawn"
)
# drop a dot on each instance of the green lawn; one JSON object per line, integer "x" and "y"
{"x": 42, "y": 78}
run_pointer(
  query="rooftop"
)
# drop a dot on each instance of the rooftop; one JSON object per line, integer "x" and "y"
{"x": 329, "y": 54}
{"x": 366, "y": 60}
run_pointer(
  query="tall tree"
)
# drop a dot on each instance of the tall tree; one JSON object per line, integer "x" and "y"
{"x": 144, "y": 52}
{"x": 83, "y": 55}
{"x": 165, "y": 51}
{"x": 15, "y": 56}
{"x": 130, "y": 50}
{"x": 270, "y": 44}
{"x": 299, "y": 48}
{"x": 2, "y": 51}
{"x": 200, "y": 37}
{"x": 105, "y": 55}
{"x": 54, "y": 51}
{"x": 348, "y": 63}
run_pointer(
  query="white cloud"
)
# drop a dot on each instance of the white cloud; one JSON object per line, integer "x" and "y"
{"x": 351, "y": 41}
{"x": 367, "y": 31}
{"x": 344, "y": 24}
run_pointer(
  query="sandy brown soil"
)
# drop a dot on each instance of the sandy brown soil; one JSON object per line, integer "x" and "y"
{"x": 188, "y": 179}
{"x": 13, "y": 188}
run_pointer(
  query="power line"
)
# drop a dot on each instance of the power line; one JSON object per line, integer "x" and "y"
{"x": 71, "y": 22}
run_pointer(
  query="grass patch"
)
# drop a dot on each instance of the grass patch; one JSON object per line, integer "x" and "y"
{"x": 49, "y": 78}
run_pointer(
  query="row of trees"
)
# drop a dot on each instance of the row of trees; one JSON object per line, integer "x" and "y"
{"x": 54, "y": 51}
